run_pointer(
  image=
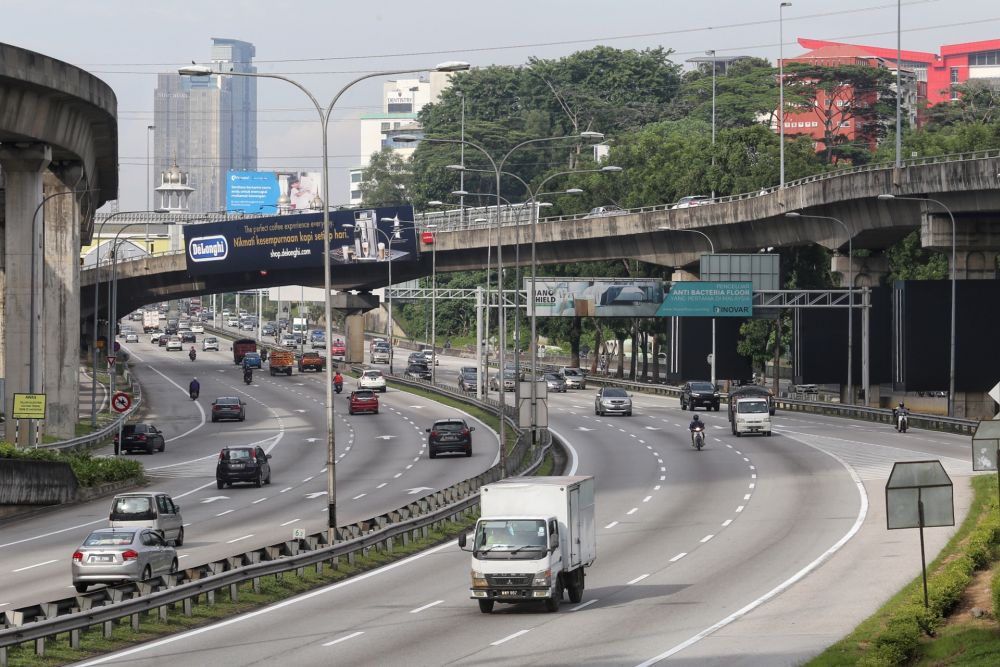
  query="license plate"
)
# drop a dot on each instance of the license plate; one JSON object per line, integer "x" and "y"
{"x": 102, "y": 559}
{"x": 235, "y": 465}
{"x": 448, "y": 438}
{"x": 509, "y": 593}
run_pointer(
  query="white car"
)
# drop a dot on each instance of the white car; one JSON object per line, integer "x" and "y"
{"x": 155, "y": 336}
{"x": 131, "y": 337}
{"x": 232, "y": 322}
{"x": 692, "y": 200}
{"x": 174, "y": 344}
{"x": 288, "y": 340}
{"x": 372, "y": 379}
{"x": 210, "y": 343}
{"x": 197, "y": 328}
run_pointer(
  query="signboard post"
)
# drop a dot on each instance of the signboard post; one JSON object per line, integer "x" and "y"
{"x": 120, "y": 402}
{"x": 28, "y": 406}
{"x": 986, "y": 448}
{"x": 919, "y": 494}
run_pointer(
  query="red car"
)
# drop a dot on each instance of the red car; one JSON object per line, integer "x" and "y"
{"x": 363, "y": 400}
{"x": 338, "y": 349}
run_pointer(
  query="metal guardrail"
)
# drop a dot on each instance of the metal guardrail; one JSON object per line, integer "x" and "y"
{"x": 44, "y": 621}
{"x": 99, "y": 436}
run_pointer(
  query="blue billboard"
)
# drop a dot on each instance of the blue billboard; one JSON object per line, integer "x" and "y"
{"x": 708, "y": 299}
{"x": 296, "y": 241}
{"x": 252, "y": 191}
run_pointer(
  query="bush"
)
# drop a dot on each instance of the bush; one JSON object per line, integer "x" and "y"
{"x": 89, "y": 471}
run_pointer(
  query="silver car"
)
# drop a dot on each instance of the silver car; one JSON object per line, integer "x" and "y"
{"x": 148, "y": 509}
{"x": 612, "y": 400}
{"x": 114, "y": 555}
{"x": 574, "y": 377}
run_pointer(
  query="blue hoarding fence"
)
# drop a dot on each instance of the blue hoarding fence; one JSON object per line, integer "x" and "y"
{"x": 708, "y": 299}
{"x": 296, "y": 241}
{"x": 252, "y": 191}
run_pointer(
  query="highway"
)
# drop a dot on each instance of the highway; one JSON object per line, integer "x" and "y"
{"x": 382, "y": 464}
{"x": 754, "y": 551}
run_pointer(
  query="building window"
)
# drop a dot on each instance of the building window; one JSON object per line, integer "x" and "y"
{"x": 846, "y": 123}
{"x": 355, "y": 194}
{"x": 385, "y": 127}
{"x": 984, "y": 58}
{"x": 400, "y": 108}
{"x": 355, "y": 177}
{"x": 954, "y": 75}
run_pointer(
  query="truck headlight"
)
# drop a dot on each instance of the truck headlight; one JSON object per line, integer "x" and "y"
{"x": 543, "y": 578}
{"x": 478, "y": 580}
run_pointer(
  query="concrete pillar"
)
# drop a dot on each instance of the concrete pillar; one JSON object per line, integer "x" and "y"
{"x": 60, "y": 331}
{"x": 23, "y": 167}
{"x": 680, "y": 275}
{"x": 355, "y": 325}
{"x": 867, "y": 271}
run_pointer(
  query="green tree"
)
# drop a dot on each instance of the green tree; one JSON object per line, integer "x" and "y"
{"x": 386, "y": 180}
{"x": 746, "y": 95}
{"x": 909, "y": 261}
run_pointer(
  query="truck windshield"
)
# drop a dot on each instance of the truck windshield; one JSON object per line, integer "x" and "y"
{"x": 510, "y": 539}
{"x": 752, "y": 407}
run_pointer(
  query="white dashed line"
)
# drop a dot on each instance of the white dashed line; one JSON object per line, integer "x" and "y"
{"x": 509, "y": 637}
{"x": 259, "y": 500}
{"x": 239, "y": 538}
{"x": 288, "y": 523}
{"x": 287, "y": 488}
{"x": 344, "y": 639}
{"x": 637, "y": 579}
{"x": 426, "y": 606}
{"x": 706, "y": 538}
{"x": 647, "y": 499}
{"x": 740, "y": 508}
{"x": 611, "y": 525}
{"x": 632, "y": 511}
{"x": 678, "y": 557}
{"x": 585, "y": 604}
{"x": 381, "y": 485}
{"x": 224, "y": 513}
{"x": 726, "y": 522}
{"x": 22, "y": 569}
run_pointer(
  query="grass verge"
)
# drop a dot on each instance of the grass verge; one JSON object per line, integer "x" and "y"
{"x": 89, "y": 471}
{"x": 898, "y": 632}
{"x": 272, "y": 589}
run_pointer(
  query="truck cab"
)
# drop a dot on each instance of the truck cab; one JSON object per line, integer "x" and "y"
{"x": 752, "y": 415}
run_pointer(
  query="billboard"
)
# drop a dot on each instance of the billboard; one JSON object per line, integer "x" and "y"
{"x": 595, "y": 297}
{"x": 296, "y": 241}
{"x": 301, "y": 187}
{"x": 252, "y": 191}
{"x": 708, "y": 299}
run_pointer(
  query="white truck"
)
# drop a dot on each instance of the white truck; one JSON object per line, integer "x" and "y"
{"x": 752, "y": 415}
{"x": 150, "y": 320}
{"x": 534, "y": 538}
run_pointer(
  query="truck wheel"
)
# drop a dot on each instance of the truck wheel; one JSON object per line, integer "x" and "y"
{"x": 486, "y": 606}
{"x": 767, "y": 433}
{"x": 738, "y": 434}
{"x": 575, "y": 593}
{"x": 552, "y": 604}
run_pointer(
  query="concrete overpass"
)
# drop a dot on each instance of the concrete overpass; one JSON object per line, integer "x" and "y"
{"x": 58, "y": 136}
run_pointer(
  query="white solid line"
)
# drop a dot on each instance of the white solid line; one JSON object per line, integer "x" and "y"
{"x": 381, "y": 485}
{"x": 788, "y": 583}
{"x": 706, "y": 538}
{"x": 576, "y": 608}
{"x": 22, "y": 569}
{"x": 632, "y": 511}
{"x": 647, "y": 499}
{"x": 344, "y": 639}
{"x": 678, "y": 557}
{"x": 224, "y": 513}
{"x": 426, "y": 606}
{"x": 740, "y": 508}
{"x": 287, "y": 488}
{"x": 611, "y": 525}
{"x": 259, "y": 501}
{"x": 288, "y": 523}
{"x": 239, "y": 538}
{"x": 360, "y": 495}
{"x": 509, "y": 637}
{"x": 637, "y": 579}
{"x": 726, "y": 522}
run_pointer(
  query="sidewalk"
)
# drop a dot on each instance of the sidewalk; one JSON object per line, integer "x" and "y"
{"x": 85, "y": 395}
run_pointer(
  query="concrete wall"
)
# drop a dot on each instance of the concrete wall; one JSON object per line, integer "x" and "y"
{"x": 27, "y": 482}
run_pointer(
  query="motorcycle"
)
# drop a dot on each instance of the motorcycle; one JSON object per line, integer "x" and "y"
{"x": 192, "y": 354}
{"x": 902, "y": 421}
{"x": 194, "y": 394}
{"x": 248, "y": 377}
{"x": 699, "y": 437}
{"x": 338, "y": 387}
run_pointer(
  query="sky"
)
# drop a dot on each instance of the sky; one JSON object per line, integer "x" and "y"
{"x": 325, "y": 44}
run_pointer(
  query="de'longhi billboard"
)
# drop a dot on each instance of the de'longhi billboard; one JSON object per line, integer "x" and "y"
{"x": 296, "y": 241}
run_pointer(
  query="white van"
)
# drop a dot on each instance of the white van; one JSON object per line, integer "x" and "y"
{"x": 753, "y": 415}
{"x": 148, "y": 509}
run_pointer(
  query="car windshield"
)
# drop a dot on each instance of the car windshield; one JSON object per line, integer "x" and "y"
{"x": 211, "y": 340}
{"x": 615, "y": 393}
{"x": 572, "y": 371}
{"x": 227, "y": 401}
{"x": 453, "y": 427}
{"x": 372, "y": 375}
{"x": 511, "y": 539}
{"x": 105, "y": 539}
{"x": 702, "y": 386}
{"x": 751, "y": 407}
{"x": 508, "y": 373}
{"x": 553, "y": 377}
{"x": 364, "y": 394}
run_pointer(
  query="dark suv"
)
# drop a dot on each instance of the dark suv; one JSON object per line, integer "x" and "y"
{"x": 228, "y": 407}
{"x": 418, "y": 371}
{"x": 450, "y": 435}
{"x": 242, "y": 464}
{"x": 699, "y": 393}
{"x": 146, "y": 437}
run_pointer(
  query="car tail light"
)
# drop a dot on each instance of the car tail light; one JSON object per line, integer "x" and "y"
{"x": 434, "y": 434}
{"x": 465, "y": 431}
{"x": 116, "y": 435}
{"x": 215, "y": 408}
{"x": 130, "y": 554}
{"x": 222, "y": 456}
{"x": 140, "y": 438}
{"x": 253, "y": 456}
{"x": 78, "y": 555}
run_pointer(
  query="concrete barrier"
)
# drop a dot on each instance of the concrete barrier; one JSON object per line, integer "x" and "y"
{"x": 29, "y": 482}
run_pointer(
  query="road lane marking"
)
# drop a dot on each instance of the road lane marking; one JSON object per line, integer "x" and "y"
{"x": 426, "y": 606}
{"x": 224, "y": 513}
{"x": 637, "y": 579}
{"x": 632, "y": 511}
{"x": 29, "y": 567}
{"x": 585, "y": 604}
{"x": 740, "y": 508}
{"x": 381, "y": 485}
{"x": 611, "y": 525}
{"x": 359, "y": 496}
{"x": 509, "y": 637}
{"x": 678, "y": 557}
{"x": 240, "y": 538}
{"x": 706, "y": 538}
{"x": 726, "y": 522}
{"x": 344, "y": 639}
{"x": 288, "y": 523}
{"x": 647, "y": 499}
{"x": 287, "y": 488}
{"x": 259, "y": 500}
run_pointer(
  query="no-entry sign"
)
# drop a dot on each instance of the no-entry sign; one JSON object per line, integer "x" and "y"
{"x": 121, "y": 401}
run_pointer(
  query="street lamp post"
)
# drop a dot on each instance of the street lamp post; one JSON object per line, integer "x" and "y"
{"x": 951, "y": 367}
{"x": 149, "y": 184}
{"x": 850, "y": 298}
{"x": 711, "y": 52}
{"x": 433, "y": 303}
{"x": 781, "y": 89}
{"x": 324, "y": 119}
{"x": 711, "y": 247}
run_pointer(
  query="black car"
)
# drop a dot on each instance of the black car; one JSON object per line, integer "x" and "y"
{"x": 242, "y": 464}
{"x": 418, "y": 372}
{"x": 699, "y": 393}
{"x": 146, "y": 437}
{"x": 187, "y": 336}
{"x": 228, "y": 407}
{"x": 450, "y": 435}
{"x": 416, "y": 358}
{"x": 467, "y": 378}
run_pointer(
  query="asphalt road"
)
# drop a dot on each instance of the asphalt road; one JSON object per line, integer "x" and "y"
{"x": 382, "y": 464}
{"x": 754, "y": 551}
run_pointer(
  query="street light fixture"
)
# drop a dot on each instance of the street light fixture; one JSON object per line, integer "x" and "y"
{"x": 324, "y": 119}
{"x": 951, "y": 370}
{"x": 850, "y": 298}
{"x": 712, "y": 249}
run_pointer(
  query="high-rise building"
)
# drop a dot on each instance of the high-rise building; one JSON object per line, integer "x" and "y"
{"x": 208, "y": 124}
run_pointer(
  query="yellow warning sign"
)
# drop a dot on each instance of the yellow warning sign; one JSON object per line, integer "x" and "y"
{"x": 29, "y": 406}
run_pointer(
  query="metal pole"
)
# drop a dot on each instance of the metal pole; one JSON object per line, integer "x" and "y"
{"x": 781, "y": 89}
{"x": 951, "y": 370}
{"x": 923, "y": 557}
{"x": 148, "y": 181}
{"x": 533, "y": 345}
{"x": 712, "y": 53}
{"x": 480, "y": 375}
{"x": 434, "y": 358}
{"x": 461, "y": 177}
{"x": 899, "y": 86}
{"x": 865, "y": 338}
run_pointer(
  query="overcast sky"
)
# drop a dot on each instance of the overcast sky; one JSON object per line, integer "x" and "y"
{"x": 324, "y": 44}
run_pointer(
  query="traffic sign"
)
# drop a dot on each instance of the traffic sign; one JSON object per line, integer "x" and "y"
{"x": 29, "y": 406}
{"x": 994, "y": 393}
{"x": 111, "y": 360}
{"x": 121, "y": 401}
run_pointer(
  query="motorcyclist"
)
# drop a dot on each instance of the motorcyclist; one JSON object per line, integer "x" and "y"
{"x": 192, "y": 353}
{"x": 897, "y": 412}
{"x": 194, "y": 388}
{"x": 696, "y": 423}
{"x": 338, "y": 381}
{"x": 247, "y": 374}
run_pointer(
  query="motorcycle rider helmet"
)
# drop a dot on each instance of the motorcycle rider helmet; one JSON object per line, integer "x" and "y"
{"x": 696, "y": 418}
